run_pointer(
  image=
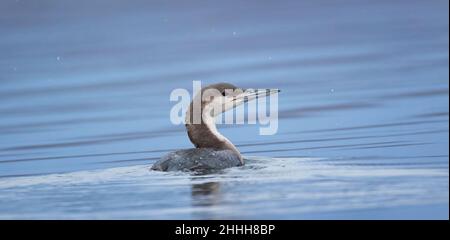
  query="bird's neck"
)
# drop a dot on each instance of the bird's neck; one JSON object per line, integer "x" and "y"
{"x": 205, "y": 134}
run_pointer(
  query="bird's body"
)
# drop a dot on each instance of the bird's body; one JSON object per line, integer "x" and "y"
{"x": 212, "y": 150}
{"x": 198, "y": 159}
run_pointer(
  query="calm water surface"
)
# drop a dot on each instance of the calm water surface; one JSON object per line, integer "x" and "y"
{"x": 363, "y": 121}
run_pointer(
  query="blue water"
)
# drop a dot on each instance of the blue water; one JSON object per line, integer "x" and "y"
{"x": 363, "y": 121}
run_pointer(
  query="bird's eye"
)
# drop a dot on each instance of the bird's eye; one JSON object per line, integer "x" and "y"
{"x": 223, "y": 93}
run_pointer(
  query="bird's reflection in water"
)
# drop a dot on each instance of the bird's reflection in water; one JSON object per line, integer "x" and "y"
{"x": 206, "y": 194}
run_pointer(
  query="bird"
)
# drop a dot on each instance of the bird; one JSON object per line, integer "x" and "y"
{"x": 212, "y": 150}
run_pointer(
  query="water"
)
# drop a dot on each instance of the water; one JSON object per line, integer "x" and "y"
{"x": 363, "y": 128}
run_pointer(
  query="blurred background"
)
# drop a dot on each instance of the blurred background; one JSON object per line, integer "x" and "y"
{"x": 363, "y": 121}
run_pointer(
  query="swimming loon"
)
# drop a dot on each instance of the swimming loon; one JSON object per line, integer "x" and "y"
{"x": 212, "y": 150}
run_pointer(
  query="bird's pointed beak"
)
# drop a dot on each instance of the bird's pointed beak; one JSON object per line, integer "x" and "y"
{"x": 246, "y": 96}
{"x": 250, "y": 94}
